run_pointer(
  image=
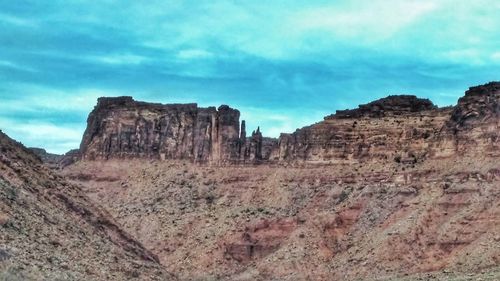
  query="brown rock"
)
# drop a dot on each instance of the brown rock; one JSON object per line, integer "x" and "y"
{"x": 403, "y": 129}
{"x": 474, "y": 125}
{"x": 122, "y": 127}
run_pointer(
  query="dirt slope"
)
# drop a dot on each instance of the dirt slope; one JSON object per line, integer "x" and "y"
{"x": 336, "y": 222}
{"x": 49, "y": 230}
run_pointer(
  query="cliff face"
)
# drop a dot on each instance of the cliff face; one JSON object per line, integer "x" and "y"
{"x": 122, "y": 127}
{"x": 399, "y": 128}
{"x": 474, "y": 125}
{"x": 403, "y": 128}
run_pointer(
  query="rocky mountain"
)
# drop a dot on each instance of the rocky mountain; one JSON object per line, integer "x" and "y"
{"x": 56, "y": 161}
{"x": 50, "y": 230}
{"x": 122, "y": 127}
{"x": 50, "y": 159}
{"x": 400, "y": 128}
{"x": 474, "y": 125}
{"x": 397, "y": 189}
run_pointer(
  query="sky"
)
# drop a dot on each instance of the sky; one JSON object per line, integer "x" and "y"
{"x": 283, "y": 64}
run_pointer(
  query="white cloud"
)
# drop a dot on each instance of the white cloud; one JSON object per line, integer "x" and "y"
{"x": 9, "y": 64}
{"x": 54, "y": 138}
{"x": 120, "y": 59}
{"x": 57, "y": 100}
{"x": 364, "y": 22}
{"x": 496, "y": 56}
{"x": 194, "y": 54}
{"x": 17, "y": 21}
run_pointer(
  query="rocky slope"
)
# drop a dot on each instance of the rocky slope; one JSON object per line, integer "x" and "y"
{"x": 439, "y": 218}
{"x": 49, "y": 230}
{"x": 396, "y": 189}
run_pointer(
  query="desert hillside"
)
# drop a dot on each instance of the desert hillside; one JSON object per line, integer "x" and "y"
{"x": 397, "y": 188}
{"x": 50, "y": 230}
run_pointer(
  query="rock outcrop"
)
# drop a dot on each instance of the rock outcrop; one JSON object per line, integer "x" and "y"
{"x": 389, "y": 106}
{"x": 122, "y": 127}
{"x": 56, "y": 161}
{"x": 50, "y": 159}
{"x": 474, "y": 125}
{"x": 400, "y": 128}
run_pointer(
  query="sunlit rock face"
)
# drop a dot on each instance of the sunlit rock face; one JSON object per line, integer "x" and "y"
{"x": 396, "y": 187}
{"x": 122, "y": 127}
{"x": 474, "y": 124}
{"x": 400, "y": 128}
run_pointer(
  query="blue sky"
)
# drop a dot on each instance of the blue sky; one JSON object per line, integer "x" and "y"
{"x": 283, "y": 64}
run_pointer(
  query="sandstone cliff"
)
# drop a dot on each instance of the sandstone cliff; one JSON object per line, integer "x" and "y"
{"x": 399, "y": 128}
{"x": 403, "y": 128}
{"x": 409, "y": 192}
{"x": 122, "y": 127}
{"x": 474, "y": 125}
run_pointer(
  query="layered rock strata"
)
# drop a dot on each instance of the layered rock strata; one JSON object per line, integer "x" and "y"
{"x": 122, "y": 127}
{"x": 474, "y": 125}
{"x": 403, "y": 129}
{"x": 400, "y": 128}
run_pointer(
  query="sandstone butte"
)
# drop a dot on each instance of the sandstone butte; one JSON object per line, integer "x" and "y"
{"x": 397, "y": 189}
{"x": 400, "y": 127}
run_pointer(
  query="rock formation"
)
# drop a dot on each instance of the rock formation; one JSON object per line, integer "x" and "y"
{"x": 50, "y": 159}
{"x": 389, "y": 106}
{"x": 122, "y": 127}
{"x": 56, "y": 161}
{"x": 400, "y": 128}
{"x": 474, "y": 125}
{"x": 405, "y": 190}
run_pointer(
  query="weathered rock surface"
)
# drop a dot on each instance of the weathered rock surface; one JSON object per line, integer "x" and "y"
{"x": 389, "y": 106}
{"x": 308, "y": 222}
{"x": 406, "y": 136}
{"x": 56, "y": 161}
{"x": 407, "y": 191}
{"x": 400, "y": 128}
{"x": 122, "y": 127}
{"x": 474, "y": 125}
{"x": 48, "y": 158}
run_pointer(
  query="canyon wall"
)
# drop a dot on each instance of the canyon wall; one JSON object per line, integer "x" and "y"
{"x": 403, "y": 129}
{"x": 122, "y": 127}
{"x": 400, "y": 128}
